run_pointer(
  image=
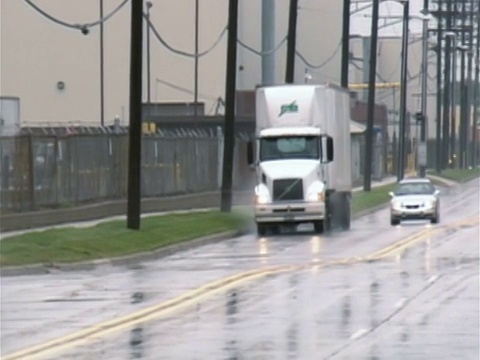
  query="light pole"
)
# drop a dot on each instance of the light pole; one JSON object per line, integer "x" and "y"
{"x": 149, "y": 6}
{"x": 403, "y": 91}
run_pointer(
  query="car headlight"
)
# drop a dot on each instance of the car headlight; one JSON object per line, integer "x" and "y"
{"x": 396, "y": 204}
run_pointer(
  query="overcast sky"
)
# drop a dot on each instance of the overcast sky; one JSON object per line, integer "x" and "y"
{"x": 361, "y": 21}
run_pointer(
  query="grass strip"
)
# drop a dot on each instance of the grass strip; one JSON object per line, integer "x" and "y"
{"x": 113, "y": 239}
{"x": 459, "y": 175}
{"x": 364, "y": 200}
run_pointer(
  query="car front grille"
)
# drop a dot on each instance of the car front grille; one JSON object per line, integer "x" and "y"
{"x": 287, "y": 189}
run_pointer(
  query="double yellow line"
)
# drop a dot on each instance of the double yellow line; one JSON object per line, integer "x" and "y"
{"x": 200, "y": 294}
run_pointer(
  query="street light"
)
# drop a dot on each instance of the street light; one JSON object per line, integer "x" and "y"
{"x": 149, "y": 6}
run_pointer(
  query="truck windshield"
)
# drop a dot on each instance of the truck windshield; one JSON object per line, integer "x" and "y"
{"x": 289, "y": 147}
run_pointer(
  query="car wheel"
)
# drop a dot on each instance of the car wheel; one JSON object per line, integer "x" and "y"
{"x": 436, "y": 218}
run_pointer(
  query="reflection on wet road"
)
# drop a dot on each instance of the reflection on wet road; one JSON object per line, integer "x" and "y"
{"x": 420, "y": 301}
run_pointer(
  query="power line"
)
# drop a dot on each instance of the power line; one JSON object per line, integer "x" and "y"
{"x": 310, "y": 65}
{"x": 260, "y": 53}
{"x": 181, "y": 52}
{"x": 83, "y": 27}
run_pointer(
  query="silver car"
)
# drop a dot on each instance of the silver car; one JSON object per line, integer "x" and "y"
{"x": 415, "y": 199}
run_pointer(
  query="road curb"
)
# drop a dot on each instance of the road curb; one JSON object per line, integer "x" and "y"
{"x": 38, "y": 269}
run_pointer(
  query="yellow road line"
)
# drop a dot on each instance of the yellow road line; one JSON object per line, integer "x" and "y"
{"x": 197, "y": 295}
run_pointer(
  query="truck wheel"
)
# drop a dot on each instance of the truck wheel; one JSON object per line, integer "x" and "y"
{"x": 346, "y": 216}
{"x": 318, "y": 226}
{"x": 261, "y": 229}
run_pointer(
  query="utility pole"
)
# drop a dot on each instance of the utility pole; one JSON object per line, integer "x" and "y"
{"x": 268, "y": 42}
{"x": 291, "y": 40}
{"x": 149, "y": 6}
{"x": 345, "y": 44}
{"x": 454, "y": 105}
{"x": 476, "y": 96}
{"x": 367, "y": 174}
{"x": 446, "y": 102}
{"x": 135, "y": 130}
{"x": 102, "y": 67}
{"x": 403, "y": 92}
{"x": 463, "y": 94}
{"x": 230, "y": 87}
{"x": 438, "y": 132}
{"x": 470, "y": 101}
{"x": 195, "y": 76}
{"x": 423, "y": 125}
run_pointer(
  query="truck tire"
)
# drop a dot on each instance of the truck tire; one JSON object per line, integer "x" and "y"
{"x": 346, "y": 218}
{"x": 261, "y": 229}
{"x": 319, "y": 226}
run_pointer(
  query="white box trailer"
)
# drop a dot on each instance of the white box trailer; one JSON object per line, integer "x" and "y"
{"x": 303, "y": 162}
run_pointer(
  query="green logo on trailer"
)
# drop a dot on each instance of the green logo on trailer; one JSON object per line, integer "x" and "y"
{"x": 288, "y": 108}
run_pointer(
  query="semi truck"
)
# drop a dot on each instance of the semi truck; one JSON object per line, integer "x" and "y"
{"x": 301, "y": 156}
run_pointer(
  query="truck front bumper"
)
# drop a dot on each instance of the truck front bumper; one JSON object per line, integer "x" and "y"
{"x": 290, "y": 212}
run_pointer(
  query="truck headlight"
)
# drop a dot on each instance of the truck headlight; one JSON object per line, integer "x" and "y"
{"x": 262, "y": 195}
{"x": 261, "y": 199}
{"x": 316, "y": 196}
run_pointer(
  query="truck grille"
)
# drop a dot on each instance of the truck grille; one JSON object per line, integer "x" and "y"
{"x": 287, "y": 189}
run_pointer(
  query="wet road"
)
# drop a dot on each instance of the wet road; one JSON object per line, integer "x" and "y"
{"x": 292, "y": 296}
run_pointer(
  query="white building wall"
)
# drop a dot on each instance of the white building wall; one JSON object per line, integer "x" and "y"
{"x": 37, "y": 53}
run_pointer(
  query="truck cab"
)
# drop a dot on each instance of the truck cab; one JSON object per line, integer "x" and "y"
{"x": 292, "y": 160}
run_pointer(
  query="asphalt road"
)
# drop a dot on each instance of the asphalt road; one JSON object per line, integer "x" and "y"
{"x": 375, "y": 292}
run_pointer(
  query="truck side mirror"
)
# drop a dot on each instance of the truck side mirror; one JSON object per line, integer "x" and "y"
{"x": 327, "y": 149}
{"x": 250, "y": 153}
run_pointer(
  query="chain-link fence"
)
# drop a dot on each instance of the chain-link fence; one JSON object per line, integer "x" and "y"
{"x": 40, "y": 172}
{"x": 51, "y": 171}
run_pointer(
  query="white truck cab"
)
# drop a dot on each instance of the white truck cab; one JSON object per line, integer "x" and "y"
{"x": 302, "y": 161}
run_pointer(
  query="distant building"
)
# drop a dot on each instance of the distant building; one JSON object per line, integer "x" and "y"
{"x": 55, "y": 70}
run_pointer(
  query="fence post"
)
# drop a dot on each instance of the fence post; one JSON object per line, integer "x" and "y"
{"x": 220, "y": 140}
{"x": 31, "y": 172}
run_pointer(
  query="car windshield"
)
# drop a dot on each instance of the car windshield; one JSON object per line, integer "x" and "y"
{"x": 289, "y": 147}
{"x": 414, "y": 188}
